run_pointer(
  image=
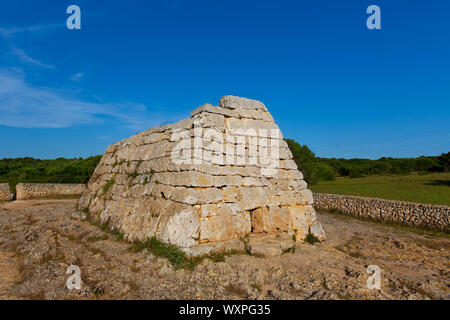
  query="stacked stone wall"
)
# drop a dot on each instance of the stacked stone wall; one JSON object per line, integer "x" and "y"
{"x": 27, "y": 191}
{"x": 5, "y": 193}
{"x": 407, "y": 213}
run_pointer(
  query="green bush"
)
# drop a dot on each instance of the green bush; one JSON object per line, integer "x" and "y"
{"x": 311, "y": 239}
{"x": 312, "y": 169}
{"x": 322, "y": 171}
{"x": 356, "y": 173}
{"x": 61, "y": 170}
{"x": 317, "y": 169}
{"x": 444, "y": 161}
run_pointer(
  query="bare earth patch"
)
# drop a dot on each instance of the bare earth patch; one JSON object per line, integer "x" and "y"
{"x": 39, "y": 239}
{"x": 9, "y": 273}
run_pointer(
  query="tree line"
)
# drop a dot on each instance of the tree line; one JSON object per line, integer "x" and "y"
{"x": 317, "y": 169}
{"x": 60, "y": 170}
{"x": 314, "y": 169}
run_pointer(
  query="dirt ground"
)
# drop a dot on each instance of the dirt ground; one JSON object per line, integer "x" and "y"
{"x": 39, "y": 239}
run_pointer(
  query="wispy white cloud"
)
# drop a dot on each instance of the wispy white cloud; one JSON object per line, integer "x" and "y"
{"x": 24, "y": 57}
{"x": 11, "y": 32}
{"x": 25, "y": 106}
{"x": 77, "y": 76}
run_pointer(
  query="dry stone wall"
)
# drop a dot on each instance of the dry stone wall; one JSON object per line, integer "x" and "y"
{"x": 26, "y": 191}
{"x": 5, "y": 193}
{"x": 408, "y": 213}
{"x": 218, "y": 175}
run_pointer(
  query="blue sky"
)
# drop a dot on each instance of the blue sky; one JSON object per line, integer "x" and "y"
{"x": 329, "y": 82}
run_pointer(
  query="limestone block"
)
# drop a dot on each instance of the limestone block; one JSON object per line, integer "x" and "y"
{"x": 190, "y": 196}
{"x": 269, "y": 245}
{"x": 306, "y": 196}
{"x": 303, "y": 217}
{"x": 255, "y": 114}
{"x": 289, "y": 174}
{"x": 243, "y": 126}
{"x": 179, "y": 225}
{"x": 217, "y": 227}
{"x": 155, "y": 137}
{"x": 111, "y": 149}
{"x": 186, "y": 179}
{"x": 272, "y": 219}
{"x": 208, "y": 108}
{"x": 210, "y": 120}
{"x": 223, "y": 181}
{"x": 253, "y": 197}
{"x": 231, "y": 194}
{"x": 261, "y": 249}
{"x": 254, "y": 182}
{"x": 183, "y": 124}
{"x": 257, "y": 217}
{"x": 218, "y": 246}
{"x": 242, "y": 223}
{"x": 285, "y": 153}
{"x": 317, "y": 230}
{"x": 211, "y": 210}
{"x": 223, "y": 221}
{"x": 232, "y": 102}
{"x": 277, "y": 219}
{"x": 287, "y": 164}
{"x": 246, "y": 171}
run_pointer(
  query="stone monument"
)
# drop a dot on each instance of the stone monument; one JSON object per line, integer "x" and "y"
{"x": 219, "y": 175}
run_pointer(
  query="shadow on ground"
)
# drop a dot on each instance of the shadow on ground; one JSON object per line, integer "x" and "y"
{"x": 439, "y": 183}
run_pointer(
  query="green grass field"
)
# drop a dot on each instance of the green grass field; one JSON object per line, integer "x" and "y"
{"x": 431, "y": 188}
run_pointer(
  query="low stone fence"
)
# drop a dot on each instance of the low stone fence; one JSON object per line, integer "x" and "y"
{"x": 25, "y": 191}
{"x": 408, "y": 213}
{"x": 5, "y": 193}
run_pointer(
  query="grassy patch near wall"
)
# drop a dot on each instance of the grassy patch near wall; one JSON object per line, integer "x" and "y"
{"x": 178, "y": 258}
{"x": 432, "y": 188}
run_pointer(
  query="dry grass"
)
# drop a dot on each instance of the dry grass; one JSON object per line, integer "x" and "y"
{"x": 236, "y": 290}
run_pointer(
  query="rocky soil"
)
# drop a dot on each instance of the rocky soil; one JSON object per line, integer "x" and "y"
{"x": 39, "y": 239}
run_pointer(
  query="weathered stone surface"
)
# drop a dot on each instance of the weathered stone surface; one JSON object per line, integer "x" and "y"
{"x": 234, "y": 245}
{"x": 219, "y": 223}
{"x": 216, "y": 176}
{"x": 303, "y": 217}
{"x": 261, "y": 249}
{"x": 317, "y": 231}
{"x": 5, "y": 193}
{"x": 272, "y": 219}
{"x": 269, "y": 245}
{"x": 232, "y": 102}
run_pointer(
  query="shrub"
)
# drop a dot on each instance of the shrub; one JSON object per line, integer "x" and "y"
{"x": 321, "y": 171}
{"x": 313, "y": 170}
{"x": 61, "y": 170}
{"x": 108, "y": 185}
{"x": 444, "y": 161}
{"x": 311, "y": 239}
{"x": 355, "y": 173}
